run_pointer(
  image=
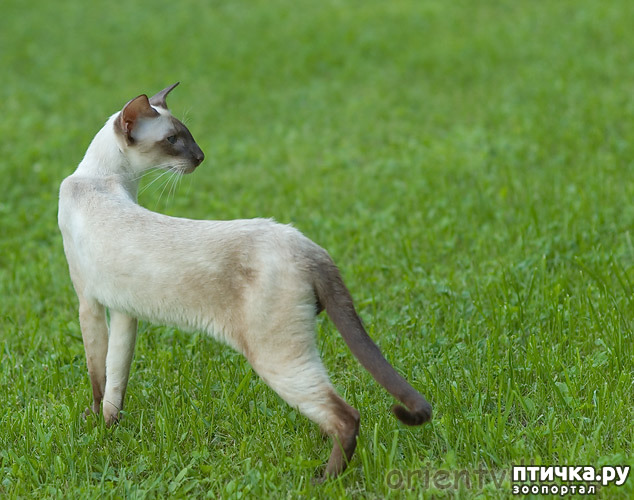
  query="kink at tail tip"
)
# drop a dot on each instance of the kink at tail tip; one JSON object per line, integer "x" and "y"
{"x": 418, "y": 416}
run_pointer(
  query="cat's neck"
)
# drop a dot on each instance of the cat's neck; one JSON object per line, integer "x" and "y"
{"x": 105, "y": 159}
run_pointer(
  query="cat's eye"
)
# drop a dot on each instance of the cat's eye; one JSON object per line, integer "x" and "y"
{"x": 171, "y": 139}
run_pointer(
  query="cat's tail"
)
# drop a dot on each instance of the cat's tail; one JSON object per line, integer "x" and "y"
{"x": 333, "y": 296}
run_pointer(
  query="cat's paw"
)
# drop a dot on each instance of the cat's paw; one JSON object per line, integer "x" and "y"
{"x": 110, "y": 413}
{"x": 90, "y": 411}
{"x": 316, "y": 481}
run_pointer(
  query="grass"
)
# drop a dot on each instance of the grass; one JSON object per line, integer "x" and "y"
{"x": 468, "y": 165}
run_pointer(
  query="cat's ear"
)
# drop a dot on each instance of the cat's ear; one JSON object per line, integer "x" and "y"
{"x": 159, "y": 99}
{"x": 138, "y": 108}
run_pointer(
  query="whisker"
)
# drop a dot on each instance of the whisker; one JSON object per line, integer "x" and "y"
{"x": 164, "y": 184}
{"x": 153, "y": 181}
{"x": 143, "y": 174}
{"x": 174, "y": 173}
{"x": 167, "y": 181}
{"x": 172, "y": 192}
{"x": 186, "y": 116}
{"x": 177, "y": 179}
{"x": 189, "y": 185}
{"x": 175, "y": 188}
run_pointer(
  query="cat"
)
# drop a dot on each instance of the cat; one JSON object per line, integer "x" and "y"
{"x": 254, "y": 284}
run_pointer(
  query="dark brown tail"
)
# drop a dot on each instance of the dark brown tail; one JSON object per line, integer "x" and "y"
{"x": 336, "y": 299}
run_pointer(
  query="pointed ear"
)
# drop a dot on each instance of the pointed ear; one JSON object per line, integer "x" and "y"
{"x": 159, "y": 99}
{"x": 139, "y": 107}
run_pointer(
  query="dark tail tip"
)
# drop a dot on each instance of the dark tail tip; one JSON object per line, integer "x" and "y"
{"x": 415, "y": 417}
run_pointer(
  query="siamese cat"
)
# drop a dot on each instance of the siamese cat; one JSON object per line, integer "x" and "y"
{"x": 254, "y": 284}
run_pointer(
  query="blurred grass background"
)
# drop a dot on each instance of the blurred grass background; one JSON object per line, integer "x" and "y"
{"x": 467, "y": 164}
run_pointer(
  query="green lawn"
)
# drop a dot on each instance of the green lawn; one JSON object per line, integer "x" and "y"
{"x": 469, "y": 165}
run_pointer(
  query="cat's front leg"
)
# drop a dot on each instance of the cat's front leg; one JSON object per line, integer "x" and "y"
{"x": 121, "y": 343}
{"x": 94, "y": 331}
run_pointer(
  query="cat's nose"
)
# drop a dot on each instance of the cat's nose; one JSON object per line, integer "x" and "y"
{"x": 199, "y": 156}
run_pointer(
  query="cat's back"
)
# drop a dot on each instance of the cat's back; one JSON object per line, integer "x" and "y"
{"x": 75, "y": 193}
{"x": 98, "y": 213}
{"x": 86, "y": 194}
{"x": 94, "y": 209}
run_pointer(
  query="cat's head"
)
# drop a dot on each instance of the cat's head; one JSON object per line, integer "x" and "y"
{"x": 151, "y": 137}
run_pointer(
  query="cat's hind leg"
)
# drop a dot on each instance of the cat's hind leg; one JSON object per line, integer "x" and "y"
{"x": 123, "y": 329}
{"x": 94, "y": 331}
{"x": 291, "y": 367}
